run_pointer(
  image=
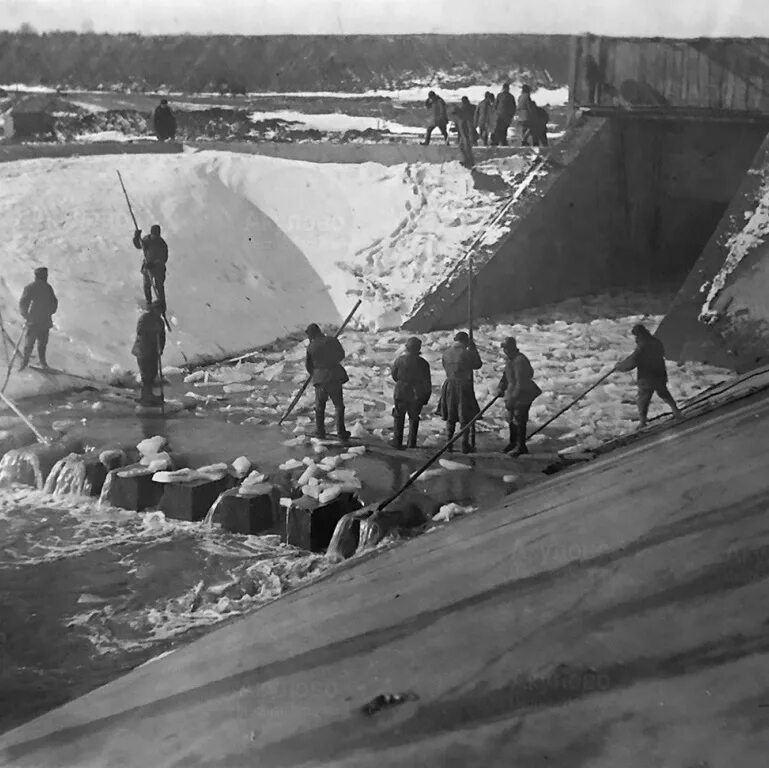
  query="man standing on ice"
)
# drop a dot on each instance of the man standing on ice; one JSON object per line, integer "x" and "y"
{"x": 519, "y": 390}
{"x": 147, "y": 349}
{"x": 324, "y": 363}
{"x": 457, "y": 402}
{"x": 37, "y": 305}
{"x": 413, "y": 387}
{"x": 439, "y": 117}
{"x": 648, "y": 359}
{"x": 154, "y": 265}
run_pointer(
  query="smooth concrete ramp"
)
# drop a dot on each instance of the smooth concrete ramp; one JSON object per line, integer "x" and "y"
{"x": 721, "y": 314}
{"x": 555, "y": 242}
{"x": 614, "y": 615}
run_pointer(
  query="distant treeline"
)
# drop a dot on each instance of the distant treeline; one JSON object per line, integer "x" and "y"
{"x": 273, "y": 63}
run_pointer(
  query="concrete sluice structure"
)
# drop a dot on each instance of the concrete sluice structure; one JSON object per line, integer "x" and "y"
{"x": 657, "y": 182}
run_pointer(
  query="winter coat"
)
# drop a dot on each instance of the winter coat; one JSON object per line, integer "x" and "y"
{"x": 38, "y": 302}
{"x": 467, "y": 110}
{"x": 155, "y": 253}
{"x": 517, "y": 385}
{"x": 150, "y": 336}
{"x": 485, "y": 116}
{"x": 324, "y": 361}
{"x": 438, "y": 116}
{"x": 460, "y": 361}
{"x": 457, "y": 402}
{"x": 648, "y": 359}
{"x": 411, "y": 374}
{"x": 524, "y": 112}
{"x": 505, "y": 106}
{"x": 164, "y": 122}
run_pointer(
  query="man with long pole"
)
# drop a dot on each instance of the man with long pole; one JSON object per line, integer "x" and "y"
{"x": 307, "y": 381}
{"x": 155, "y": 251}
{"x": 148, "y": 348}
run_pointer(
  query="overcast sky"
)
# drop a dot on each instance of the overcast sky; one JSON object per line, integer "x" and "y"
{"x": 673, "y": 18}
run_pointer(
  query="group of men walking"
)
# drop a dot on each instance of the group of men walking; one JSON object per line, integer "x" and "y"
{"x": 457, "y": 404}
{"x": 490, "y": 120}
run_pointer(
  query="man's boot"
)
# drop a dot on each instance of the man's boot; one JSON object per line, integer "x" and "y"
{"x": 467, "y": 442}
{"x": 520, "y": 446}
{"x": 413, "y": 431}
{"x": 449, "y": 434}
{"x": 399, "y": 420}
{"x": 320, "y": 422}
{"x": 513, "y": 439}
{"x": 341, "y": 430}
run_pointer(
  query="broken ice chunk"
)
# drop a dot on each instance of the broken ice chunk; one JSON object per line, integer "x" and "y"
{"x": 151, "y": 445}
{"x": 291, "y": 464}
{"x": 452, "y": 465}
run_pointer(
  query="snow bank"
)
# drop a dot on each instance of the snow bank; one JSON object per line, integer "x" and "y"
{"x": 755, "y": 231}
{"x": 259, "y": 247}
{"x": 336, "y": 122}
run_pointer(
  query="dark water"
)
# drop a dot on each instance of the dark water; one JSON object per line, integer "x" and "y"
{"x": 87, "y": 593}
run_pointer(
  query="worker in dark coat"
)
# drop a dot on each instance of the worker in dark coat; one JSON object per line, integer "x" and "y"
{"x": 457, "y": 402}
{"x": 648, "y": 359}
{"x": 468, "y": 115}
{"x": 539, "y": 126}
{"x": 153, "y": 267}
{"x": 463, "y": 119}
{"x": 164, "y": 122}
{"x": 37, "y": 305}
{"x": 519, "y": 391}
{"x": 526, "y": 115}
{"x": 485, "y": 118}
{"x": 505, "y": 112}
{"x": 147, "y": 349}
{"x": 413, "y": 387}
{"x": 438, "y": 117}
{"x": 324, "y": 363}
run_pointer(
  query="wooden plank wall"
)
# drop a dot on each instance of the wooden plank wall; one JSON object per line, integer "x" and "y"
{"x": 716, "y": 74}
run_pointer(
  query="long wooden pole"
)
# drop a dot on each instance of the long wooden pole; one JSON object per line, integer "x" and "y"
{"x": 13, "y": 359}
{"x": 23, "y": 418}
{"x": 309, "y": 378}
{"x": 136, "y": 227}
{"x": 470, "y": 320}
{"x": 5, "y": 342}
{"x": 572, "y": 403}
{"x": 435, "y": 458}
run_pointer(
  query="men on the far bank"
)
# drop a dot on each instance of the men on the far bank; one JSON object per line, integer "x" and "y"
{"x": 648, "y": 359}
{"x": 153, "y": 267}
{"x": 324, "y": 363}
{"x": 37, "y": 305}
{"x": 438, "y": 117}
{"x": 533, "y": 120}
{"x": 457, "y": 402}
{"x": 413, "y": 387}
{"x": 519, "y": 391}
{"x": 485, "y": 118}
{"x": 463, "y": 117}
{"x": 148, "y": 347}
{"x": 164, "y": 122}
{"x": 504, "y": 108}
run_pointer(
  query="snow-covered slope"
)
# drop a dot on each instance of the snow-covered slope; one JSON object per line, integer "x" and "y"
{"x": 259, "y": 246}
